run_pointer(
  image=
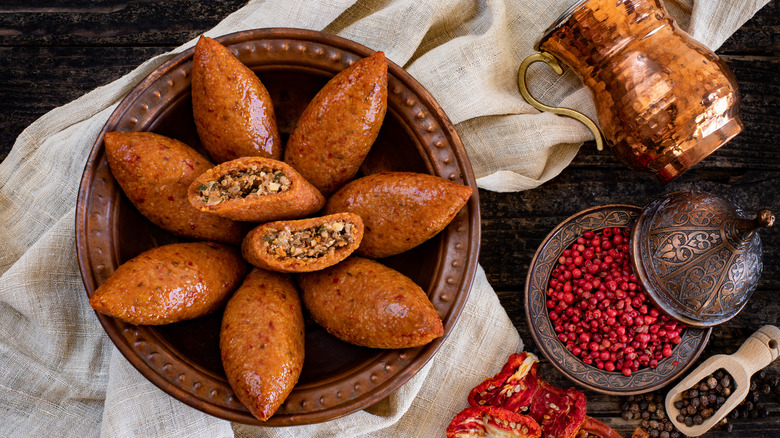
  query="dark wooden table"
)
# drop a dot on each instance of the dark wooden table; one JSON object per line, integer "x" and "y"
{"x": 51, "y": 52}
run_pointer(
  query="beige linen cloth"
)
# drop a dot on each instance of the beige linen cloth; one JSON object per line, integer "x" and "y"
{"x": 59, "y": 373}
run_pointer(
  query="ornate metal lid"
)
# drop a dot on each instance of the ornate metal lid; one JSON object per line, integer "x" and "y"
{"x": 698, "y": 256}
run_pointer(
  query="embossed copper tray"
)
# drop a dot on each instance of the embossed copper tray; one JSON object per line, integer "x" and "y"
{"x": 563, "y": 236}
{"x": 338, "y": 378}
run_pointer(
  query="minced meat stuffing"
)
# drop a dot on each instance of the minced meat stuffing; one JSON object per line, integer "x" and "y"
{"x": 310, "y": 243}
{"x": 244, "y": 183}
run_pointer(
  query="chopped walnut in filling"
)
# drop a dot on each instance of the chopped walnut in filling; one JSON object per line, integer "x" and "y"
{"x": 310, "y": 243}
{"x": 244, "y": 183}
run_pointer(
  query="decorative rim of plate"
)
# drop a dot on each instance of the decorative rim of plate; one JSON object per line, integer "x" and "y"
{"x": 566, "y": 233}
{"x": 448, "y": 288}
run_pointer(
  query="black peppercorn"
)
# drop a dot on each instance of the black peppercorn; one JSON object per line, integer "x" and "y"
{"x": 654, "y": 418}
{"x": 689, "y": 421}
{"x": 664, "y": 434}
{"x": 712, "y": 382}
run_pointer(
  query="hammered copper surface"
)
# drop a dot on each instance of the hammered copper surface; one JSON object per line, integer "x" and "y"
{"x": 338, "y": 378}
{"x": 563, "y": 236}
{"x": 698, "y": 256}
{"x": 664, "y": 101}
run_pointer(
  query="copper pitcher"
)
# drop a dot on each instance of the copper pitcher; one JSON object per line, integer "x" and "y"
{"x": 664, "y": 101}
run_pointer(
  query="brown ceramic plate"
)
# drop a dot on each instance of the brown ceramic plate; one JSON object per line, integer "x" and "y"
{"x": 338, "y": 378}
{"x": 563, "y": 236}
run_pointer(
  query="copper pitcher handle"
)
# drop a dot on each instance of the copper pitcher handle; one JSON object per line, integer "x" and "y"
{"x": 550, "y": 60}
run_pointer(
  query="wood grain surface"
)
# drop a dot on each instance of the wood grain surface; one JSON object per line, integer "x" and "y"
{"x": 54, "y": 51}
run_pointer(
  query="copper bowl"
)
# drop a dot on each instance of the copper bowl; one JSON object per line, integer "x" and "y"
{"x": 563, "y": 236}
{"x": 338, "y": 378}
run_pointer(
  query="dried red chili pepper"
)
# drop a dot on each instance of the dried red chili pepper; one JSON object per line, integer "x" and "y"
{"x": 517, "y": 388}
{"x": 596, "y": 427}
{"x": 492, "y": 422}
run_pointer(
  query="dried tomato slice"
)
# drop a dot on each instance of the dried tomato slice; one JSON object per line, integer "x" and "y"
{"x": 560, "y": 412}
{"x": 517, "y": 388}
{"x": 512, "y": 388}
{"x": 492, "y": 422}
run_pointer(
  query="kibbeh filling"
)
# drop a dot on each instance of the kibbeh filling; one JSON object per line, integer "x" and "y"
{"x": 244, "y": 183}
{"x": 310, "y": 243}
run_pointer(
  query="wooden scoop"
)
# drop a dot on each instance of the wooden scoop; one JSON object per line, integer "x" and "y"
{"x": 758, "y": 351}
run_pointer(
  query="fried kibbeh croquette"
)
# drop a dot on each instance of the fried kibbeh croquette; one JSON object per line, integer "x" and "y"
{"x": 338, "y": 127}
{"x": 303, "y": 245}
{"x": 368, "y": 304}
{"x": 233, "y": 111}
{"x": 400, "y": 210}
{"x": 171, "y": 283}
{"x": 254, "y": 189}
{"x": 155, "y": 172}
{"x": 262, "y": 341}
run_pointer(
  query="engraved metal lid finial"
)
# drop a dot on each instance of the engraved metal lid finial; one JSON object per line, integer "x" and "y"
{"x": 765, "y": 218}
